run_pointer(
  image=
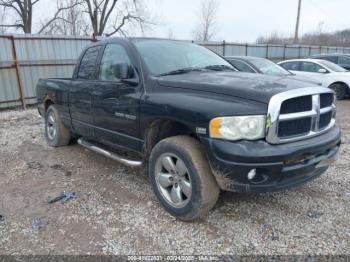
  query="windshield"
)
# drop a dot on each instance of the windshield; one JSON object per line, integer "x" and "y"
{"x": 269, "y": 68}
{"x": 163, "y": 56}
{"x": 331, "y": 66}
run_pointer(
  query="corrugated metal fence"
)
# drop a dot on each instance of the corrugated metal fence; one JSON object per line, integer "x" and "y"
{"x": 26, "y": 58}
{"x": 273, "y": 52}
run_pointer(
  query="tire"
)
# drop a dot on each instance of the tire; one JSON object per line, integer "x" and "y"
{"x": 193, "y": 186}
{"x": 340, "y": 90}
{"x": 56, "y": 133}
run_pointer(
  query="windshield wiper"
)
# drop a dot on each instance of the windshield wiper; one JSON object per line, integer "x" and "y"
{"x": 219, "y": 67}
{"x": 181, "y": 71}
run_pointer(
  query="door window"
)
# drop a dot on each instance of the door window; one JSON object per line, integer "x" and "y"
{"x": 241, "y": 66}
{"x": 310, "y": 67}
{"x": 332, "y": 59}
{"x": 87, "y": 66}
{"x": 294, "y": 66}
{"x": 113, "y": 54}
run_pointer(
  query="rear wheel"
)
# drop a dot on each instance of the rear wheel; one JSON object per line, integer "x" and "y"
{"x": 181, "y": 178}
{"x": 339, "y": 89}
{"x": 56, "y": 133}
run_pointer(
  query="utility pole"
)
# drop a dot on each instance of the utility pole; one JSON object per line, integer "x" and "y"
{"x": 296, "y": 36}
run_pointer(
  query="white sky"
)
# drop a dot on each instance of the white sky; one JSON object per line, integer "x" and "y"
{"x": 245, "y": 20}
{"x": 239, "y": 20}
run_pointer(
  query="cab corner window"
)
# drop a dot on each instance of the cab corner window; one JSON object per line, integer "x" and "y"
{"x": 87, "y": 66}
{"x": 114, "y": 55}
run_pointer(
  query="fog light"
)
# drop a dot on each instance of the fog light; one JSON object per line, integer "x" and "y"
{"x": 251, "y": 174}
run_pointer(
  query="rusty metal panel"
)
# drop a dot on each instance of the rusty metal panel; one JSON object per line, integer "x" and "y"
{"x": 257, "y": 50}
{"x": 235, "y": 50}
{"x": 9, "y": 90}
{"x": 275, "y": 52}
{"x": 304, "y": 51}
{"x": 292, "y": 51}
{"x": 6, "y": 57}
{"x": 31, "y": 75}
{"x": 48, "y": 51}
{"x": 37, "y": 57}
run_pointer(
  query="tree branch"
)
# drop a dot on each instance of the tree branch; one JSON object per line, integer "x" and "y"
{"x": 56, "y": 16}
{"x": 125, "y": 19}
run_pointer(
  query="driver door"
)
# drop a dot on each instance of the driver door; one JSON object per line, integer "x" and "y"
{"x": 115, "y": 103}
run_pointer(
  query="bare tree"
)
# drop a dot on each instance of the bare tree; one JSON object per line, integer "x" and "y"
{"x": 319, "y": 37}
{"x": 207, "y": 16}
{"x": 23, "y": 10}
{"x": 274, "y": 38}
{"x": 114, "y": 15}
{"x": 69, "y": 19}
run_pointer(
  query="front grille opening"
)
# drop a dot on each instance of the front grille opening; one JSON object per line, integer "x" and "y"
{"x": 297, "y": 104}
{"x": 325, "y": 119}
{"x": 326, "y": 100}
{"x": 296, "y": 127}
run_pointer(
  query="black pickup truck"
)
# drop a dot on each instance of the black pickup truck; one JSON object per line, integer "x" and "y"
{"x": 192, "y": 119}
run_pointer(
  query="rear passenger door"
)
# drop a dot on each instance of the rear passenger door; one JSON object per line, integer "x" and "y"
{"x": 80, "y": 92}
{"x": 115, "y": 101}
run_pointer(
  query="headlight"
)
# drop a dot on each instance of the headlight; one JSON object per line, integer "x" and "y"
{"x": 238, "y": 127}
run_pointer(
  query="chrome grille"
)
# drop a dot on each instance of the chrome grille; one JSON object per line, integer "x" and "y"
{"x": 298, "y": 114}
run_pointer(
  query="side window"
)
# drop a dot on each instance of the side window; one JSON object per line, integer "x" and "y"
{"x": 332, "y": 59}
{"x": 241, "y": 66}
{"x": 87, "y": 66}
{"x": 344, "y": 60}
{"x": 113, "y": 54}
{"x": 310, "y": 67}
{"x": 294, "y": 66}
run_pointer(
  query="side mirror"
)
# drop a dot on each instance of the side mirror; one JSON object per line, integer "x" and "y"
{"x": 322, "y": 71}
{"x": 122, "y": 71}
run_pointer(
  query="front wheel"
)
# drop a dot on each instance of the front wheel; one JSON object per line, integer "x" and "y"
{"x": 181, "y": 178}
{"x": 340, "y": 90}
{"x": 56, "y": 133}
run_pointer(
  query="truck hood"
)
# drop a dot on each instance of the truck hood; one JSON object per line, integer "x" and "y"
{"x": 255, "y": 87}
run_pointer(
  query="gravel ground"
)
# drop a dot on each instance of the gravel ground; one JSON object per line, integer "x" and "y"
{"x": 115, "y": 211}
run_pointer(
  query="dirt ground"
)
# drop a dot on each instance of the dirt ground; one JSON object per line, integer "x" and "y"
{"x": 116, "y": 212}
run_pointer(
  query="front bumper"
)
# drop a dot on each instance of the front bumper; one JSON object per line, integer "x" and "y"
{"x": 277, "y": 167}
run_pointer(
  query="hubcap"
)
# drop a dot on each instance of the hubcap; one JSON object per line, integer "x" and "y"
{"x": 173, "y": 180}
{"x": 51, "y": 125}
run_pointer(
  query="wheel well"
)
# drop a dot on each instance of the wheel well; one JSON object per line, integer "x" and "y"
{"x": 161, "y": 129}
{"x": 48, "y": 102}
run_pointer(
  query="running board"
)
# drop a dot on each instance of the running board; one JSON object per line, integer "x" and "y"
{"x": 109, "y": 154}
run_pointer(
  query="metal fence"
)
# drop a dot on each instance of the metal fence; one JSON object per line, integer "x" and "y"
{"x": 26, "y": 58}
{"x": 273, "y": 52}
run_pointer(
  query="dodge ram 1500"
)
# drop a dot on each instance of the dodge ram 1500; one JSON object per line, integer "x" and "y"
{"x": 197, "y": 124}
